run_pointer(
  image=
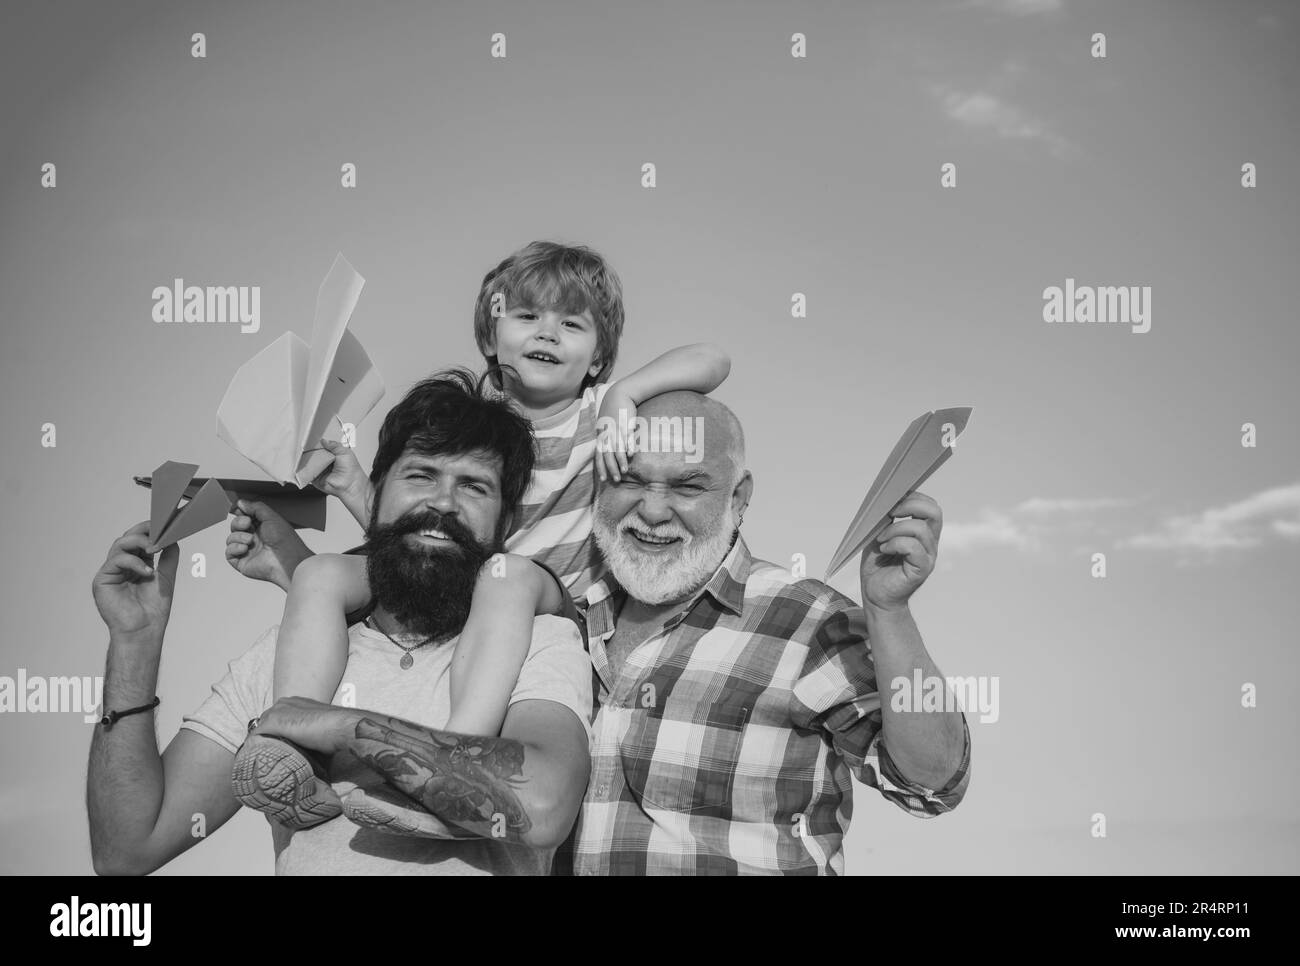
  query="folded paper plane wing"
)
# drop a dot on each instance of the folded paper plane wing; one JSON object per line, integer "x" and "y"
{"x": 301, "y": 508}
{"x": 921, "y": 450}
{"x": 169, "y": 521}
{"x": 291, "y": 394}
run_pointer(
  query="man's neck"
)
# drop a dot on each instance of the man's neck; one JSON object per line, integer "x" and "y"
{"x": 384, "y": 620}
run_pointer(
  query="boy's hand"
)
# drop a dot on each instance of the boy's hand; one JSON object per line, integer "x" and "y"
{"x": 263, "y": 546}
{"x": 617, "y": 438}
{"x": 345, "y": 479}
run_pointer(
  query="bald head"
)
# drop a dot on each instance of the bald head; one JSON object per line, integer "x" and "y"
{"x": 666, "y": 524}
{"x": 712, "y": 433}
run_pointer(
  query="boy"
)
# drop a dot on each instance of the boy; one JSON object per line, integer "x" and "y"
{"x": 550, "y": 317}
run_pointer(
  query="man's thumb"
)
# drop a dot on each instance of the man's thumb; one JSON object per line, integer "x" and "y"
{"x": 254, "y": 508}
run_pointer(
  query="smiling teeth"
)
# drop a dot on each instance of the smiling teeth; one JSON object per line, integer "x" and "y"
{"x": 650, "y": 538}
{"x": 434, "y": 533}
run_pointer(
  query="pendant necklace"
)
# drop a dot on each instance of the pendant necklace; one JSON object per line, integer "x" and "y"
{"x": 407, "y": 660}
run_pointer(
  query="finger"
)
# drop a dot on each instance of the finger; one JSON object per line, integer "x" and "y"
{"x": 242, "y": 522}
{"x": 917, "y": 529}
{"x": 259, "y": 511}
{"x": 126, "y": 565}
{"x": 908, "y": 547}
{"x": 600, "y": 467}
{"x": 917, "y": 504}
{"x": 141, "y": 527}
{"x": 241, "y": 540}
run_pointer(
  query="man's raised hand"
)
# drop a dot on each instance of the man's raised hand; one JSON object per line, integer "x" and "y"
{"x": 132, "y": 597}
{"x": 903, "y": 554}
{"x": 262, "y": 545}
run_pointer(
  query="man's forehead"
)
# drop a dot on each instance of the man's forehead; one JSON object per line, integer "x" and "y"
{"x": 480, "y": 460}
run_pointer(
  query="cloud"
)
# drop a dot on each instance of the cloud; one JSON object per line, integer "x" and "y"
{"x": 1039, "y": 506}
{"x": 1235, "y": 526}
{"x": 1018, "y": 8}
{"x": 983, "y": 111}
{"x": 992, "y": 529}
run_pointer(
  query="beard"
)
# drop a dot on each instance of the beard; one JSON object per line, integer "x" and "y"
{"x": 427, "y": 589}
{"x": 662, "y": 577}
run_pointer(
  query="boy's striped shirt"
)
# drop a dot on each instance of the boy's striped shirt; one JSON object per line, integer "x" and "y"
{"x": 555, "y": 518}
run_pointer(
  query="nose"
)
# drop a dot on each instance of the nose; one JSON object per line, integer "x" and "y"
{"x": 443, "y": 496}
{"x": 653, "y": 507}
{"x": 548, "y": 327}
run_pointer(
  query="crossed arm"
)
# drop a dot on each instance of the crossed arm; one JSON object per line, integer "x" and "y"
{"x": 525, "y": 786}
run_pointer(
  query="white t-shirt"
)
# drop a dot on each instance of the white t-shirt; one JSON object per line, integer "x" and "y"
{"x": 556, "y": 669}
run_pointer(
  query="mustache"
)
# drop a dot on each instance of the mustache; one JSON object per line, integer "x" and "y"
{"x": 662, "y": 531}
{"x": 417, "y": 521}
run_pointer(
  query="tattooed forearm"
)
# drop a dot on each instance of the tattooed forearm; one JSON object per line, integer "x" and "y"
{"x": 466, "y": 780}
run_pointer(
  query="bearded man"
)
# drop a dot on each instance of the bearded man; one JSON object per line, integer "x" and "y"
{"x": 735, "y": 700}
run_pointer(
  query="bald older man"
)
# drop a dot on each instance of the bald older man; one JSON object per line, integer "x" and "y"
{"x": 735, "y": 700}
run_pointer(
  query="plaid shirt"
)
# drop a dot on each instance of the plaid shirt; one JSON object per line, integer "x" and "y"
{"x": 725, "y": 743}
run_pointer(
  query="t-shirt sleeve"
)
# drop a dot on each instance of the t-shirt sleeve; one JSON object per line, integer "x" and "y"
{"x": 243, "y": 694}
{"x": 557, "y": 669}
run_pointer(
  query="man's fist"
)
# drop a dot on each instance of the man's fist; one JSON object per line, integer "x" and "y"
{"x": 262, "y": 545}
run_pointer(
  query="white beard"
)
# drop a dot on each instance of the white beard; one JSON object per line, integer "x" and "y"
{"x": 663, "y": 577}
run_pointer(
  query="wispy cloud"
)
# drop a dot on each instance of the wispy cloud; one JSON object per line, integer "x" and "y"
{"x": 1018, "y": 8}
{"x": 992, "y": 529}
{"x": 1029, "y": 524}
{"x": 983, "y": 111}
{"x": 1038, "y": 506}
{"x": 1256, "y": 520}
{"x": 1269, "y": 517}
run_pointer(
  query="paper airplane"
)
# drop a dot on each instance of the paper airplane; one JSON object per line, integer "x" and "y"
{"x": 920, "y": 451}
{"x": 169, "y": 522}
{"x": 290, "y": 395}
{"x": 301, "y": 508}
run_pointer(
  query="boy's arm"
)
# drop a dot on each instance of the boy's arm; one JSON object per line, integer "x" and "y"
{"x": 699, "y": 368}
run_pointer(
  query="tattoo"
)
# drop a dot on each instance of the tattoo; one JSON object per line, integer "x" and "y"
{"x": 465, "y": 780}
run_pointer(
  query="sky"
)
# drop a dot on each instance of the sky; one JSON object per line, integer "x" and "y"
{"x": 1119, "y": 695}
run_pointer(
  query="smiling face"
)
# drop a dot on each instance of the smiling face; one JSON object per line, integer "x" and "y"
{"x": 551, "y": 352}
{"x": 434, "y": 526}
{"x": 667, "y": 524}
{"x": 465, "y": 489}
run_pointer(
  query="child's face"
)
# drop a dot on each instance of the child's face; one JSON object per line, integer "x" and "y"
{"x": 552, "y": 352}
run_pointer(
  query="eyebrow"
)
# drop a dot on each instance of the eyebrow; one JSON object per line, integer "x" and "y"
{"x": 418, "y": 461}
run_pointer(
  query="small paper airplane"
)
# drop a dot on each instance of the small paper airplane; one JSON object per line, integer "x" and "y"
{"x": 169, "y": 522}
{"x": 301, "y": 508}
{"x": 920, "y": 451}
{"x": 290, "y": 395}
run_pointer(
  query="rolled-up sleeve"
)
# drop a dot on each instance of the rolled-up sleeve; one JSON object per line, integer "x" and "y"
{"x": 837, "y": 694}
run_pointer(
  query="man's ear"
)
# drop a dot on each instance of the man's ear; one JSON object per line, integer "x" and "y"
{"x": 741, "y": 494}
